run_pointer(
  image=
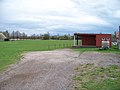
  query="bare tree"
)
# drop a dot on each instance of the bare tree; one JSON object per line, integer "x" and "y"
{"x": 13, "y": 35}
{"x": 17, "y": 35}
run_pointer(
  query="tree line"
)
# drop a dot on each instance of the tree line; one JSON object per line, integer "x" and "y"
{"x": 46, "y": 36}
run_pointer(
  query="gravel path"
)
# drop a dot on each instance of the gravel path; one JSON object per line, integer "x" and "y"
{"x": 50, "y": 70}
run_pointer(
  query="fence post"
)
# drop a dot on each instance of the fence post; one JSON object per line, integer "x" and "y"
{"x": 54, "y": 46}
{"x": 59, "y": 45}
{"x": 48, "y": 47}
{"x": 63, "y": 45}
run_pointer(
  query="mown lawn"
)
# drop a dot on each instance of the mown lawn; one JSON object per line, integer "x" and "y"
{"x": 10, "y": 52}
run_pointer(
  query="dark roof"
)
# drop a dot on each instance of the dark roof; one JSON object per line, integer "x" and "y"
{"x": 89, "y": 34}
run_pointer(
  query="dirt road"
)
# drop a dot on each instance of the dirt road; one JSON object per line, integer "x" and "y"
{"x": 50, "y": 70}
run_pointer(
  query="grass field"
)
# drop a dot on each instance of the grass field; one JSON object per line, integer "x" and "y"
{"x": 10, "y": 52}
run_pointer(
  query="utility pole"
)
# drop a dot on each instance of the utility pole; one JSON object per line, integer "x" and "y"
{"x": 119, "y": 39}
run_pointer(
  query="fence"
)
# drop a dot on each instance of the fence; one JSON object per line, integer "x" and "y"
{"x": 59, "y": 46}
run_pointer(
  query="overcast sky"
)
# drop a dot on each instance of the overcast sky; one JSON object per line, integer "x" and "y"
{"x": 60, "y": 16}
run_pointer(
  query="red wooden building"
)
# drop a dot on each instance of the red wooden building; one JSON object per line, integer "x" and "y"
{"x": 92, "y": 40}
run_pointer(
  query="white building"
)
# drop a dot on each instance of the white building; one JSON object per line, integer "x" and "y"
{"x": 2, "y": 37}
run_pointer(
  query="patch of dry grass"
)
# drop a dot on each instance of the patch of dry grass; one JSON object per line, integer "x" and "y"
{"x": 90, "y": 77}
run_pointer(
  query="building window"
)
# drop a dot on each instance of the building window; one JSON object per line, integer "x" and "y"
{"x": 103, "y": 39}
{"x": 108, "y": 39}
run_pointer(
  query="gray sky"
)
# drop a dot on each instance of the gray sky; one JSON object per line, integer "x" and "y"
{"x": 60, "y": 16}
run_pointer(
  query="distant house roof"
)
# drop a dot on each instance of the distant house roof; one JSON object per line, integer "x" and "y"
{"x": 2, "y": 36}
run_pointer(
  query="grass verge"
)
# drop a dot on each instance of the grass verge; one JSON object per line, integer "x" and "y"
{"x": 97, "y": 78}
{"x": 113, "y": 49}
